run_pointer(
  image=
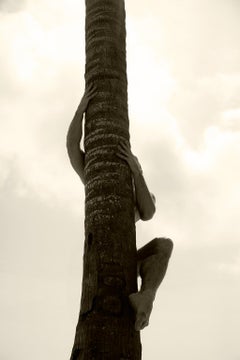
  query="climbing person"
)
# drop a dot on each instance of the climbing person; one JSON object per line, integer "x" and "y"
{"x": 153, "y": 257}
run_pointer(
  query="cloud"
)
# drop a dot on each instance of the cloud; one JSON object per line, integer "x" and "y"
{"x": 12, "y": 6}
{"x": 204, "y": 104}
{"x": 40, "y": 90}
{"x": 35, "y": 229}
{"x": 199, "y": 43}
{"x": 230, "y": 268}
{"x": 201, "y": 37}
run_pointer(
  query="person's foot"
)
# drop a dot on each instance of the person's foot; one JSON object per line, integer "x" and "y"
{"x": 142, "y": 303}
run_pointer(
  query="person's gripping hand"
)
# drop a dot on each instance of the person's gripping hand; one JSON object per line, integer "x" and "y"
{"x": 125, "y": 153}
{"x": 89, "y": 94}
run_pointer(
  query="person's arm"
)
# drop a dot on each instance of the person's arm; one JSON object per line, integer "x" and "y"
{"x": 74, "y": 135}
{"x": 145, "y": 200}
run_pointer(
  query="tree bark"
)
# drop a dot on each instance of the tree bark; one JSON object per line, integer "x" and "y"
{"x": 105, "y": 329}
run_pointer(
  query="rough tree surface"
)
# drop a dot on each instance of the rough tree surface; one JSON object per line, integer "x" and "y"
{"x": 105, "y": 328}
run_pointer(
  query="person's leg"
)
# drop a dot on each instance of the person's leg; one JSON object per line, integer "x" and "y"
{"x": 152, "y": 265}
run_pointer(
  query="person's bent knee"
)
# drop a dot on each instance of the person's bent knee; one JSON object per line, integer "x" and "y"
{"x": 163, "y": 245}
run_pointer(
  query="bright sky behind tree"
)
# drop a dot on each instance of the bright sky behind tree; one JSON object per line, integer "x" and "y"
{"x": 184, "y": 110}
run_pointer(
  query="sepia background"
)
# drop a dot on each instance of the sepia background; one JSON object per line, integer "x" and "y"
{"x": 184, "y": 91}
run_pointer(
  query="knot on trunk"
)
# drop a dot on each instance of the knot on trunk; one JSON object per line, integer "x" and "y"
{"x": 112, "y": 304}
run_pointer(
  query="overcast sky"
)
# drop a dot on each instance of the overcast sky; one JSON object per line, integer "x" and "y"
{"x": 184, "y": 109}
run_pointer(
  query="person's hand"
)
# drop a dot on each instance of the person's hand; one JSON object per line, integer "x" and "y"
{"x": 89, "y": 94}
{"x": 125, "y": 153}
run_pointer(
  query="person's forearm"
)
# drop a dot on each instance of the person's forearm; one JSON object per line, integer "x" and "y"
{"x": 74, "y": 134}
{"x": 144, "y": 199}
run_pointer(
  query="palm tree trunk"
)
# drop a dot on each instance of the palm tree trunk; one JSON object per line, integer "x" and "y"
{"x": 105, "y": 329}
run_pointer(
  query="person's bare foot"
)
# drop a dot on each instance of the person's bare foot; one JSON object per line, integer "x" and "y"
{"x": 142, "y": 303}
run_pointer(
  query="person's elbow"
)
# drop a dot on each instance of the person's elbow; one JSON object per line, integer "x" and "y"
{"x": 148, "y": 213}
